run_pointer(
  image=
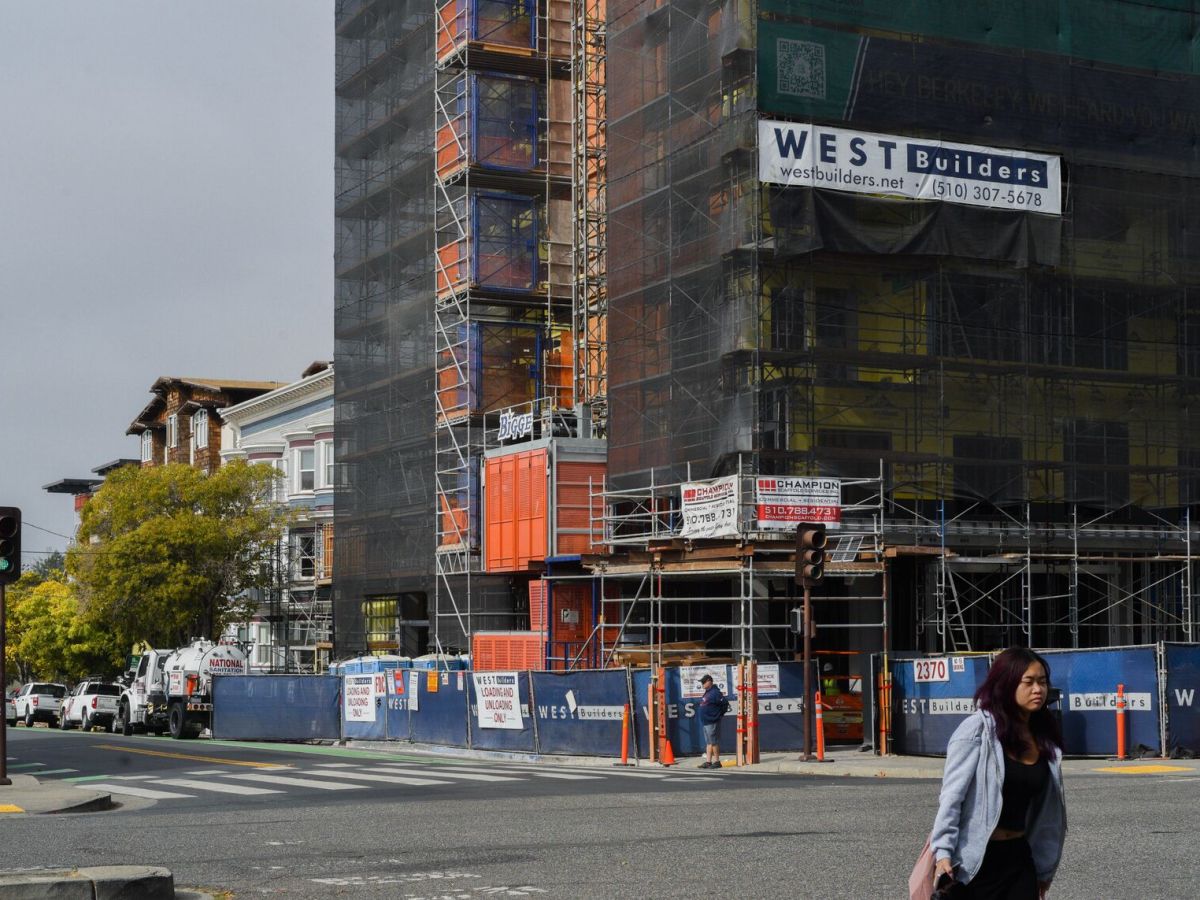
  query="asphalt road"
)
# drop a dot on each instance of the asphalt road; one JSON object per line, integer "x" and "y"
{"x": 674, "y": 834}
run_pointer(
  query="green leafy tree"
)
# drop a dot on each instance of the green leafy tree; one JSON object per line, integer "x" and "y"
{"x": 166, "y": 553}
{"x": 49, "y": 637}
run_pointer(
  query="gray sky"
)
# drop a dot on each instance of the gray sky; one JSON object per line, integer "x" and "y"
{"x": 166, "y": 208}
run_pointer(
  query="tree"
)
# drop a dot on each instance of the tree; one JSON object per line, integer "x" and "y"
{"x": 166, "y": 553}
{"x": 51, "y": 563}
{"x": 49, "y": 638}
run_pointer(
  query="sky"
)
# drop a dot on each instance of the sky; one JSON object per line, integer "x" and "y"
{"x": 166, "y": 208}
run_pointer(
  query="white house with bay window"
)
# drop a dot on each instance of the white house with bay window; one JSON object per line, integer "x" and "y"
{"x": 291, "y": 428}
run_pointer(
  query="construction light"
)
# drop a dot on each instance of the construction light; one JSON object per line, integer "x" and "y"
{"x": 810, "y": 553}
{"x": 10, "y": 544}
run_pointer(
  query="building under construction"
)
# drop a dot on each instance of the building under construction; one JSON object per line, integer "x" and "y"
{"x": 591, "y": 253}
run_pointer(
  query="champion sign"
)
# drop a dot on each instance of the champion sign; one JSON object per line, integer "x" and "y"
{"x": 839, "y": 159}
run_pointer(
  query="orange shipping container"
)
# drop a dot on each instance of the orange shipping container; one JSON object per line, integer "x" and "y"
{"x": 524, "y": 523}
{"x": 507, "y": 651}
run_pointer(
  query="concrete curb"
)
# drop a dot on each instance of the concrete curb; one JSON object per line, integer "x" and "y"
{"x": 33, "y": 797}
{"x": 90, "y": 883}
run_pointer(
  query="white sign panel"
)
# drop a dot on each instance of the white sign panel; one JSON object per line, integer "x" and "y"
{"x": 1107, "y": 702}
{"x": 710, "y": 508}
{"x": 497, "y": 700}
{"x": 414, "y": 690}
{"x": 689, "y": 680}
{"x": 931, "y": 670}
{"x": 783, "y": 503}
{"x": 861, "y": 162}
{"x": 768, "y": 679}
{"x": 358, "y": 698}
{"x": 939, "y": 706}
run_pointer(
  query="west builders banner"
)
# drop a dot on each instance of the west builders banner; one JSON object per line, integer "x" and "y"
{"x": 863, "y": 162}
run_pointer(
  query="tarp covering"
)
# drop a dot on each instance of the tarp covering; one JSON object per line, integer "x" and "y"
{"x": 1183, "y": 682}
{"x": 276, "y": 707}
{"x": 1089, "y": 679}
{"x": 807, "y": 219}
{"x": 440, "y": 716}
{"x": 580, "y": 712}
{"x": 925, "y": 713}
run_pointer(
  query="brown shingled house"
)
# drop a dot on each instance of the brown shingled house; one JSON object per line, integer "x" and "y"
{"x": 182, "y": 423}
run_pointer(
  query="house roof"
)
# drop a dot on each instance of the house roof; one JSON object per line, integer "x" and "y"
{"x": 145, "y": 419}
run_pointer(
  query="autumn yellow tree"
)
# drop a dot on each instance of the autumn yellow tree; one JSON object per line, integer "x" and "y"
{"x": 166, "y": 553}
{"x": 49, "y": 638}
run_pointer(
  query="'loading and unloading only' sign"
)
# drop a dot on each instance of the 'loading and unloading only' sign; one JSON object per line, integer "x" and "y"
{"x": 841, "y": 159}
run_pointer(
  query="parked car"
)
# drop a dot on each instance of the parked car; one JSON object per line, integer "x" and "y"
{"x": 91, "y": 703}
{"x": 10, "y": 710}
{"x": 40, "y": 701}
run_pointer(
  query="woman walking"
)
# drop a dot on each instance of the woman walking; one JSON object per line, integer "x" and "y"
{"x": 1001, "y": 817}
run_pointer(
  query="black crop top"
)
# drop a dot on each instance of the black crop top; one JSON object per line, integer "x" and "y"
{"x": 1022, "y": 783}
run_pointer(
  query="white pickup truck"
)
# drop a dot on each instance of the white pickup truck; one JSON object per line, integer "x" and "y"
{"x": 91, "y": 703}
{"x": 40, "y": 701}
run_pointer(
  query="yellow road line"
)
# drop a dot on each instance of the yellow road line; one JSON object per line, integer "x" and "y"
{"x": 1145, "y": 770}
{"x": 210, "y": 759}
{"x": 9, "y": 808}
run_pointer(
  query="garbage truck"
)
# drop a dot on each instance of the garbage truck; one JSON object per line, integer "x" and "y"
{"x": 171, "y": 690}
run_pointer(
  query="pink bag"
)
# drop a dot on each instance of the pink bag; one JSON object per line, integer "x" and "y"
{"x": 920, "y": 882}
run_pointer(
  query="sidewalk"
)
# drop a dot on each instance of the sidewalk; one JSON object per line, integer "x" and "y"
{"x": 842, "y": 762}
{"x": 27, "y": 795}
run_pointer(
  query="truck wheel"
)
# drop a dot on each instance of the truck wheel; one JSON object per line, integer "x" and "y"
{"x": 86, "y": 724}
{"x": 123, "y": 724}
{"x": 63, "y": 724}
{"x": 28, "y": 720}
{"x": 178, "y": 722}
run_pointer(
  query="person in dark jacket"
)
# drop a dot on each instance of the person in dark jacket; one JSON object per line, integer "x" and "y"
{"x": 713, "y": 706}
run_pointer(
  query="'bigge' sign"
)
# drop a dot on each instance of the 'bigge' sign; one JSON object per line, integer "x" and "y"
{"x": 839, "y": 159}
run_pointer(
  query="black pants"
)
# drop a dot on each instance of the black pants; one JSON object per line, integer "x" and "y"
{"x": 1007, "y": 873}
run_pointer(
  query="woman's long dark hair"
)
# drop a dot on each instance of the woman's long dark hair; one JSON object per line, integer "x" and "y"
{"x": 998, "y": 696}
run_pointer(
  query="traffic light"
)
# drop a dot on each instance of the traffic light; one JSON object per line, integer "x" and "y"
{"x": 10, "y": 544}
{"x": 810, "y": 553}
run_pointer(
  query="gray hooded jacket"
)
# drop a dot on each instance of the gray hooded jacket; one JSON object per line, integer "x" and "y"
{"x": 969, "y": 805}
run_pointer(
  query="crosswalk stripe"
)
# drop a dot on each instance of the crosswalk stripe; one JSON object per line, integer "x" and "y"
{"x": 131, "y": 777}
{"x": 135, "y": 791}
{"x": 26, "y": 765}
{"x": 56, "y": 771}
{"x": 295, "y": 782}
{"x": 385, "y": 779}
{"x": 448, "y": 772}
{"x": 208, "y": 772}
{"x": 519, "y": 772}
{"x": 220, "y": 788}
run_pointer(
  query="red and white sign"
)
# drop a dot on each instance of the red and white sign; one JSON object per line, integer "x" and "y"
{"x": 931, "y": 669}
{"x": 784, "y": 502}
{"x": 710, "y": 508}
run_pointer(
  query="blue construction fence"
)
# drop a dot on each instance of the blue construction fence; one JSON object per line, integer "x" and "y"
{"x": 932, "y": 695}
{"x": 568, "y": 713}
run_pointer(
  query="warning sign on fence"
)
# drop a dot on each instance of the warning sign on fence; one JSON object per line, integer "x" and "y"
{"x": 497, "y": 700}
{"x": 358, "y": 698}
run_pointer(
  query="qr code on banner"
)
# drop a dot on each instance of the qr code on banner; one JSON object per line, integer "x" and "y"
{"x": 801, "y": 71}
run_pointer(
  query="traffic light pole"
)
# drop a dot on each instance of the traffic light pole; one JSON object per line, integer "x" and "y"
{"x": 808, "y": 694}
{"x": 4, "y": 779}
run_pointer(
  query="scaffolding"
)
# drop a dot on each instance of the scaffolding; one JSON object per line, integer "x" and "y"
{"x": 575, "y": 185}
{"x": 504, "y": 317}
{"x": 1025, "y": 379}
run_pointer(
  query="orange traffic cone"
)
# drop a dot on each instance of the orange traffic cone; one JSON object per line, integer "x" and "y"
{"x": 667, "y": 755}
